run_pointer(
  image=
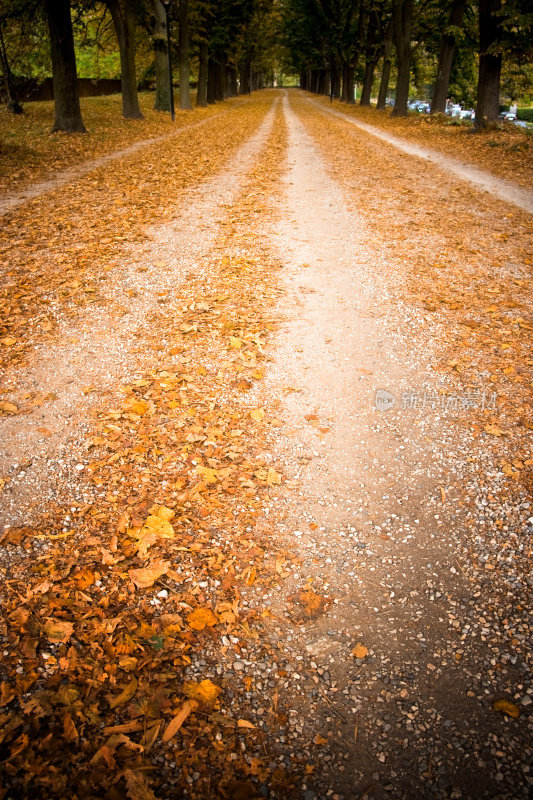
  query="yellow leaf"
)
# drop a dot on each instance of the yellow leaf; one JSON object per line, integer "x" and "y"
{"x": 209, "y": 474}
{"x": 508, "y": 708}
{"x": 134, "y": 406}
{"x": 161, "y": 527}
{"x": 58, "y": 631}
{"x": 360, "y": 651}
{"x": 494, "y": 430}
{"x": 235, "y": 342}
{"x": 258, "y": 414}
{"x": 147, "y": 576}
{"x": 8, "y": 408}
{"x": 243, "y": 723}
{"x": 125, "y": 695}
{"x": 175, "y": 724}
{"x": 7, "y": 341}
{"x": 205, "y": 692}
{"x": 273, "y": 477}
{"x": 200, "y": 618}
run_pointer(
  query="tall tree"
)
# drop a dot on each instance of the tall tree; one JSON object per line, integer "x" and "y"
{"x": 386, "y": 68}
{"x": 402, "y": 21}
{"x": 12, "y": 102}
{"x": 185, "y": 98}
{"x": 65, "y": 79}
{"x": 490, "y": 63}
{"x": 446, "y": 54}
{"x": 123, "y": 13}
{"x": 159, "y": 36}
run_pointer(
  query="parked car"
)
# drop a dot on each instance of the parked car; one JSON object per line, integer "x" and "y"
{"x": 467, "y": 113}
{"x": 454, "y": 110}
{"x": 507, "y": 116}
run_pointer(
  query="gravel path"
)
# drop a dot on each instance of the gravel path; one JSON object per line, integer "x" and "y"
{"x": 481, "y": 179}
{"x": 378, "y": 527}
{"x": 392, "y": 518}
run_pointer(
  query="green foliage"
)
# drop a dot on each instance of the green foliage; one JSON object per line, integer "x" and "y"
{"x": 525, "y": 114}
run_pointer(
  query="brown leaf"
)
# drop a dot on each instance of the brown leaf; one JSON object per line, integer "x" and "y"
{"x": 125, "y": 695}
{"x": 360, "y": 651}
{"x": 175, "y": 724}
{"x": 147, "y": 576}
{"x": 57, "y": 630}
{"x": 507, "y": 708}
{"x": 137, "y": 786}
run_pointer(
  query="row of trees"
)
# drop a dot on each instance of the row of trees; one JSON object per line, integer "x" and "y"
{"x": 229, "y": 40}
{"x": 235, "y": 45}
{"x": 331, "y": 42}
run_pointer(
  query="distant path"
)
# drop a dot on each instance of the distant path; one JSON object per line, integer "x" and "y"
{"x": 78, "y": 171}
{"x": 506, "y": 190}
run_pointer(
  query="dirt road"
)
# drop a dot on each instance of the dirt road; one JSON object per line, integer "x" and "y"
{"x": 317, "y": 367}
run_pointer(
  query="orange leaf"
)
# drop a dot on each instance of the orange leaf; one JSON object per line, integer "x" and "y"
{"x": 175, "y": 724}
{"x": 200, "y": 618}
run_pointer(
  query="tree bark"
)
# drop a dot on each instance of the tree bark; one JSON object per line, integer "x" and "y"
{"x": 123, "y": 14}
{"x": 490, "y": 65}
{"x": 211, "y": 79}
{"x": 385, "y": 72}
{"x": 220, "y": 75}
{"x": 162, "y": 84}
{"x": 348, "y": 76}
{"x": 447, "y": 51}
{"x": 371, "y": 58}
{"x": 368, "y": 80}
{"x": 201, "y": 95}
{"x": 185, "y": 96}
{"x": 65, "y": 79}
{"x": 12, "y": 103}
{"x": 244, "y": 78}
{"x": 402, "y": 18}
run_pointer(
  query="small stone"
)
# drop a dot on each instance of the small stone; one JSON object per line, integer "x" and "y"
{"x": 238, "y": 666}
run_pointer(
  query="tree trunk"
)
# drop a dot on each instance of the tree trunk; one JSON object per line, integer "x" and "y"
{"x": 335, "y": 87}
{"x": 123, "y": 14}
{"x": 162, "y": 84}
{"x": 348, "y": 74}
{"x": 244, "y": 78}
{"x": 402, "y": 17}
{"x": 185, "y": 97}
{"x": 368, "y": 80}
{"x": 201, "y": 94}
{"x": 385, "y": 72}
{"x": 12, "y": 102}
{"x": 211, "y": 79}
{"x": 371, "y": 58}
{"x": 490, "y": 65}
{"x": 447, "y": 50}
{"x": 66, "y": 98}
{"x": 220, "y": 75}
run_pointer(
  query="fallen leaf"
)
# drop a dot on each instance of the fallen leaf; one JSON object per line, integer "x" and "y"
{"x": 58, "y": 631}
{"x": 147, "y": 576}
{"x": 200, "y": 618}
{"x": 125, "y": 695}
{"x": 507, "y": 708}
{"x": 175, "y": 724}
{"x": 257, "y": 414}
{"x": 205, "y": 692}
{"x": 243, "y": 723}
{"x": 360, "y": 651}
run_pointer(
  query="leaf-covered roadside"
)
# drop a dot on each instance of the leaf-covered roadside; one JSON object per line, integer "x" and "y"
{"x": 124, "y": 616}
{"x": 62, "y": 250}
{"x": 506, "y": 151}
{"x": 30, "y": 153}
